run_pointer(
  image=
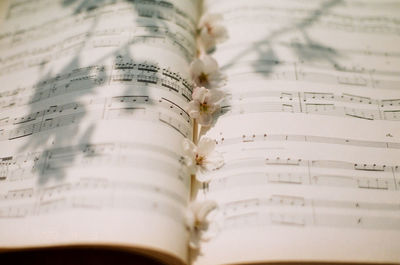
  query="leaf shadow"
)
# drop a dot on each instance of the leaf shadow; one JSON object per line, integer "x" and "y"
{"x": 267, "y": 57}
{"x": 51, "y": 124}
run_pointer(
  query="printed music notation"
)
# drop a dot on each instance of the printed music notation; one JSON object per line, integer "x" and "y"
{"x": 144, "y": 9}
{"x": 306, "y": 172}
{"x": 80, "y": 79}
{"x": 89, "y": 41}
{"x": 71, "y": 81}
{"x": 91, "y": 195}
{"x": 299, "y": 211}
{"x": 305, "y": 138}
{"x": 160, "y": 23}
{"x": 119, "y": 107}
{"x": 274, "y": 14}
{"x": 278, "y": 161}
{"x": 129, "y": 72}
{"x": 257, "y": 178}
{"x": 316, "y": 103}
{"x": 345, "y": 50}
{"x": 19, "y": 8}
{"x": 283, "y": 200}
{"x": 312, "y": 109}
{"x": 33, "y": 193}
{"x": 307, "y": 48}
{"x": 334, "y": 74}
{"x": 313, "y": 96}
{"x": 84, "y": 184}
{"x": 21, "y": 167}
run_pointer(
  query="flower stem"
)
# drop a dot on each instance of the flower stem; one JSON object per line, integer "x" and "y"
{"x": 195, "y": 131}
{"x": 193, "y": 182}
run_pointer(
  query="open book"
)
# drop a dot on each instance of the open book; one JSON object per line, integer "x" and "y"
{"x": 93, "y": 112}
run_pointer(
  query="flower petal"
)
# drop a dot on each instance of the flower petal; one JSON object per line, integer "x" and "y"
{"x": 194, "y": 109}
{"x": 207, "y": 40}
{"x": 210, "y": 64}
{"x": 189, "y": 162}
{"x": 196, "y": 68}
{"x": 213, "y": 161}
{"x": 200, "y": 210}
{"x": 209, "y": 18}
{"x": 205, "y": 146}
{"x": 189, "y": 148}
{"x": 197, "y": 221}
{"x": 216, "y": 79}
{"x": 193, "y": 105}
{"x": 188, "y": 145}
{"x": 211, "y": 30}
{"x": 215, "y": 96}
{"x": 220, "y": 33}
{"x": 194, "y": 114}
{"x": 199, "y": 94}
{"x": 205, "y": 119}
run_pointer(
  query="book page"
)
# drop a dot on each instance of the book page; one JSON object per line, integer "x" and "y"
{"x": 92, "y": 119}
{"x": 310, "y": 134}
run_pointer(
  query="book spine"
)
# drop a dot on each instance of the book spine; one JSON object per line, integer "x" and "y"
{"x": 209, "y": 83}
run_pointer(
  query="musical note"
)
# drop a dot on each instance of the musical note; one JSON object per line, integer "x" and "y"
{"x": 271, "y": 211}
{"x": 24, "y": 166}
{"x": 105, "y": 108}
{"x": 306, "y": 138}
{"x": 318, "y": 96}
{"x": 369, "y": 167}
{"x": 311, "y": 109}
{"x": 86, "y": 193}
{"x": 282, "y": 162}
{"x": 19, "y": 194}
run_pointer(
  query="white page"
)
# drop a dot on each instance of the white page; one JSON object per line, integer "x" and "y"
{"x": 92, "y": 116}
{"x": 310, "y": 134}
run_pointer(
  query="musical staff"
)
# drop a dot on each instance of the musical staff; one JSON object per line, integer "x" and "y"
{"x": 281, "y": 209}
{"x": 313, "y": 96}
{"x": 148, "y": 35}
{"x": 22, "y": 172}
{"x": 22, "y": 167}
{"x": 286, "y": 65}
{"x": 263, "y": 177}
{"x": 290, "y": 171}
{"x": 307, "y": 48}
{"x": 119, "y": 107}
{"x": 341, "y": 75}
{"x": 100, "y": 200}
{"x": 85, "y": 184}
{"x": 315, "y": 103}
{"x": 164, "y": 26}
{"x": 332, "y": 164}
{"x": 257, "y": 219}
{"x": 129, "y": 72}
{"x": 83, "y": 78}
{"x": 94, "y": 126}
{"x": 272, "y": 14}
{"x": 17, "y": 9}
{"x": 308, "y": 131}
{"x": 305, "y": 138}
{"x": 149, "y": 10}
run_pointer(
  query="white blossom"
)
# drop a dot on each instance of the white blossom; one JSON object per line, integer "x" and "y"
{"x": 211, "y": 31}
{"x": 202, "y": 158}
{"x": 205, "y": 102}
{"x": 205, "y": 72}
{"x": 196, "y": 221}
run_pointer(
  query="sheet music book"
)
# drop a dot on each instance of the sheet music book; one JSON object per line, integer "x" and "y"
{"x": 94, "y": 108}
